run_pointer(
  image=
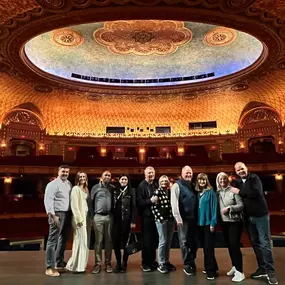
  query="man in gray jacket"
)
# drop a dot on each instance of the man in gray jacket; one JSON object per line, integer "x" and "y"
{"x": 101, "y": 207}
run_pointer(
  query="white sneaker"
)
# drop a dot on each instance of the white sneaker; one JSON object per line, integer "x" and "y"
{"x": 232, "y": 271}
{"x": 238, "y": 277}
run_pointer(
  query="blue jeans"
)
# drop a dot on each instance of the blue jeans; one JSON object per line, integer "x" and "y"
{"x": 259, "y": 233}
{"x": 57, "y": 239}
{"x": 187, "y": 234}
{"x": 165, "y": 232}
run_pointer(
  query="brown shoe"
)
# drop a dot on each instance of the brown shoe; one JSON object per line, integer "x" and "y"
{"x": 52, "y": 272}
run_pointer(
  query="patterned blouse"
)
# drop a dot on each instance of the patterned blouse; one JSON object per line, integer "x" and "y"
{"x": 162, "y": 210}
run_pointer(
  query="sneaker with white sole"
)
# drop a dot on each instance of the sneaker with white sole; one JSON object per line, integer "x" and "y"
{"x": 232, "y": 271}
{"x": 239, "y": 276}
{"x": 271, "y": 278}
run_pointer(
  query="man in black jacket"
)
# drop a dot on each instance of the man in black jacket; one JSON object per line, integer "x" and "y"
{"x": 145, "y": 199}
{"x": 257, "y": 221}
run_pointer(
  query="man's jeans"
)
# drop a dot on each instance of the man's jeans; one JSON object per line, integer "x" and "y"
{"x": 187, "y": 234}
{"x": 57, "y": 239}
{"x": 165, "y": 232}
{"x": 259, "y": 233}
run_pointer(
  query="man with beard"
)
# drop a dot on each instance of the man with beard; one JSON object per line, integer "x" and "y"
{"x": 184, "y": 207}
{"x": 57, "y": 205}
{"x": 256, "y": 221}
{"x": 145, "y": 199}
{"x": 100, "y": 209}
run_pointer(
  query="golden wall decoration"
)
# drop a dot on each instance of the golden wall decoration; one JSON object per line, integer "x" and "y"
{"x": 220, "y": 36}
{"x": 67, "y": 37}
{"x": 143, "y": 37}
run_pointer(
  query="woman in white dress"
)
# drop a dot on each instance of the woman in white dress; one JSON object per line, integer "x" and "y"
{"x": 78, "y": 200}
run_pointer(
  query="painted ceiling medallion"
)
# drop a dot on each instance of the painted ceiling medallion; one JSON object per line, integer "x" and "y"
{"x": 143, "y": 37}
{"x": 220, "y": 36}
{"x": 67, "y": 37}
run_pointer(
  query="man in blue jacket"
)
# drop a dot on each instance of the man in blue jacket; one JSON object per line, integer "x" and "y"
{"x": 184, "y": 209}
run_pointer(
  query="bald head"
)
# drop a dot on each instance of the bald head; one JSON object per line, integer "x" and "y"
{"x": 241, "y": 170}
{"x": 106, "y": 177}
{"x": 149, "y": 174}
{"x": 187, "y": 173}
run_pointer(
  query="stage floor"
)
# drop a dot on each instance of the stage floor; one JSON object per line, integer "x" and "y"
{"x": 27, "y": 268}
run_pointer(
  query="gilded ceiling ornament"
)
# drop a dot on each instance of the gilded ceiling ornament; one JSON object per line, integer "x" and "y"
{"x": 239, "y": 87}
{"x": 43, "y": 88}
{"x": 189, "y": 96}
{"x": 143, "y": 37}
{"x": 67, "y": 37}
{"x": 220, "y": 36}
{"x": 260, "y": 115}
{"x": 94, "y": 97}
{"x": 21, "y": 117}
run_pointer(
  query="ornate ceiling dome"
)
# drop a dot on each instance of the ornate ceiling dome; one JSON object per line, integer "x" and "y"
{"x": 143, "y": 53}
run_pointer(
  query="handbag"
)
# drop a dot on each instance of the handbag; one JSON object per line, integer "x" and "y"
{"x": 237, "y": 216}
{"x": 133, "y": 247}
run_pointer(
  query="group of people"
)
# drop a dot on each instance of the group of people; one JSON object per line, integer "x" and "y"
{"x": 195, "y": 207}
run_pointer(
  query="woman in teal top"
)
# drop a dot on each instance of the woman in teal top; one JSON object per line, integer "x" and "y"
{"x": 207, "y": 221}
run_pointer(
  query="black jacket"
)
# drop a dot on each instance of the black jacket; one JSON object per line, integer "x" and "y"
{"x": 251, "y": 192}
{"x": 144, "y": 193}
{"x": 128, "y": 204}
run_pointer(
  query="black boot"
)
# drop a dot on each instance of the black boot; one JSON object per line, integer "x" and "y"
{"x": 124, "y": 267}
{"x": 117, "y": 268}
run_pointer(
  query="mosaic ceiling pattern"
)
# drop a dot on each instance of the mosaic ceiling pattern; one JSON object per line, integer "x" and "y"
{"x": 143, "y": 37}
{"x": 69, "y": 112}
{"x": 143, "y": 50}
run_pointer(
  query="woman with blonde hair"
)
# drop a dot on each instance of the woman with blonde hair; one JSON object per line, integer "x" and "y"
{"x": 207, "y": 221}
{"x": 80, "y": 251}
{"x": 231, "y": 207}
{"x": 164, "y": 221}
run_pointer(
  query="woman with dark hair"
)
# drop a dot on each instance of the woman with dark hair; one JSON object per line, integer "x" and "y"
{"x": 207, "y": 221}
{"x": 125, "y": 215}
{"x": 78, "y": 201}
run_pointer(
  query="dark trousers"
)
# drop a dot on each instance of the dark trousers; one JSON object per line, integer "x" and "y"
{"x": 149, "y": 240}
{"x": 187, "y": 234}
{"x": 259, "y": 233}
{"x": 57, "y": 239}
{"x": 120, "y": 235}
{"x": 207, "y": 239}
{"x": 232, "y": 234}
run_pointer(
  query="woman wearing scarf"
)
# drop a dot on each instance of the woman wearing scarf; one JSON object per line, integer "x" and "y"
{"x": 231, "y": 207}
{"x": 125, "y": 215}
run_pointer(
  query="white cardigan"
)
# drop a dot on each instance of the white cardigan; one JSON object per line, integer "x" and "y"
{"x": 78, "y": 205}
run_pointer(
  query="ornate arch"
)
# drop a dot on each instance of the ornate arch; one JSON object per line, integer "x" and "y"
{"x": 257, "y": 114}
{"x": 24, "y": 118}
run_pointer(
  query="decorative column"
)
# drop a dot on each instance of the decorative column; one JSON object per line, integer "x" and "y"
{"x": 40, "y": 190}
{"x": 7, "y": 186}
{"x": 103, "y": 149}
{"x": 180, "y": 148}
{"x": 142, "y": 154}
{"x": 279, "y": 182}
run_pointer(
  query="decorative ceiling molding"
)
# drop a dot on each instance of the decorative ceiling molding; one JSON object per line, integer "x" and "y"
{"x": 55, "y": 14}
{"x": 220, "y": 36}
{"x": 143, "y": 37}
{"x": 67, "y": 38}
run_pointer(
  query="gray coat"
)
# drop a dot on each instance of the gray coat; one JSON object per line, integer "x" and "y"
{"x": 231, "y": 200}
